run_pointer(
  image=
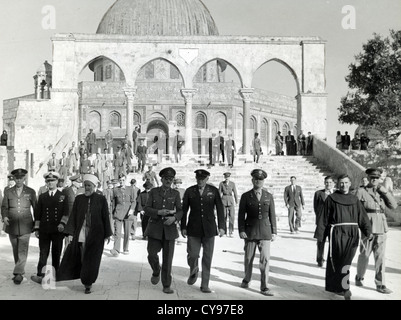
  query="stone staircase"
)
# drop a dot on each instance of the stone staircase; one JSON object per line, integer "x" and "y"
{"x": 309, "y": 172}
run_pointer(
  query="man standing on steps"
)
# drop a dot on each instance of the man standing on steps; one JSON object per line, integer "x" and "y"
{"x": 164, "y": 210}
{"x": 257, "y": 226}
{"x": 375, "y": 199}
{"x": 228, "y": 193}
{"x": 294, "y": 201}
{"x": 256, "y": 147}
{"x": 202, "y": 200}
{"x": 318, "y": 206}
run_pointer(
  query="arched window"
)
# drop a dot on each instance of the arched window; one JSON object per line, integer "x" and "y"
{"x": 137, "y": 118}
{"x": 286, "y": 128}
{"x": 158, "y": 115}
{"x": 174, "y": 73}
{"x": 94, "y": 121}
{"x": 180, "y": 118}
{"x": 276, "y": 128}
{"x": 200, "y": 121}
{"x": 115, "y": 120}
{"x": 221, "y": 121}
{"x": 264, "y": 131}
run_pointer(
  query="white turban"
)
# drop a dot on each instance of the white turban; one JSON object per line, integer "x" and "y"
{"x": 91, "y": 178}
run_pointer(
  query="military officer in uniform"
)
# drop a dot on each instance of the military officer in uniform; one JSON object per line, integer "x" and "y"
{"x": 202, "y": 200}
{"x": 17, "y": 217}
{"x": 257, "y": 226}
{"x": 51, "y": 216}
{"x": 164, "y": 210}
{"x": 375, "y": 198}
{"x": 124, "y": 203}
{"x": 228, "y": 193}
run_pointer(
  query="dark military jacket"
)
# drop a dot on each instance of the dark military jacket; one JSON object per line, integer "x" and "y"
{"x": 51, "y": 211}
{"x": 201, "y": 221}
{"x": 18, "y": 210}
{"x": 257, "y": 218}
{"x": 158, "y": 200}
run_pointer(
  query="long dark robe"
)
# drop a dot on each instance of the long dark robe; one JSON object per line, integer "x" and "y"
{"x": 73, "y": 266}
{"x": 341, "y": 208}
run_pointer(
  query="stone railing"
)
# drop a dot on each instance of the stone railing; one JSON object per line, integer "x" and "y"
{"x": 338, "y": 161}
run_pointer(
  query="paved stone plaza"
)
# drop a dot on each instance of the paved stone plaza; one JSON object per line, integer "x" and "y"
{"x": 294, "y": 274}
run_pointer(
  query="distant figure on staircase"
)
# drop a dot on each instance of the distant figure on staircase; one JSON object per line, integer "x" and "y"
{"x": 356, "y": 142}
{"x": 178, "y": 144}
{"x": 140, "y": 153}
{"x": 346, "y": 141}
{"x": 289, "y": 143}
{"x": 339, "y": 140}
{"x": 364, "y": 141}
{"x": 119, "y": 160}
{"x": 108, "y": 138}
{"x": 256, "y": 147}
{"x": 279, "y": 143}
{"x": 230, "y": 150}
{"x": 301, "y": 144}
{"x": 3, "y": 138}
{"x": 309, "y": 144}
{"x": 221, "y": 147}
{"x": 52, "y": 165}
{"x": 91, "y": 142}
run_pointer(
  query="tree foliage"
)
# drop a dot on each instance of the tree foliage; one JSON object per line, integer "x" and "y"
{"x": 374, "y": 98}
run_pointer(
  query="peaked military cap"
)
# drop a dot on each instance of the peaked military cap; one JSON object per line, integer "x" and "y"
{"x": 259, "y": 174}
{"x": 374, "y": 172}
{"x": 167, "y": 172}
{"x": 133, "y": 181}
{"x": 19, "y": 173}
{"x": 51, "y": 176}
{"x": 226, "y": 174}
{"x": 77, "y": 178}
{"x": 148, "y": 185}
{"x": 176, "y": 181}
{"x": 10, "y": 177}
{"x": 201, "y": 173}
{"x": 114, "y": 181}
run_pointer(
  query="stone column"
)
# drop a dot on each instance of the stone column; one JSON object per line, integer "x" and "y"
{"x": 246, "y": 94}
{"x": 188, "y": 95}
{"x": 130, "y": 93}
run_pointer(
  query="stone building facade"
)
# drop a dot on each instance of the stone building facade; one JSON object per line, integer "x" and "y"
{"x": 162, "y": 65}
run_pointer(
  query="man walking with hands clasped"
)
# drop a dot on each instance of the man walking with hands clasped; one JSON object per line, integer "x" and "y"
{"x": 257, "y": 226}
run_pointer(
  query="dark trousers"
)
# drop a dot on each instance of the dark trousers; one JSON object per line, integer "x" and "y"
{"x": 222, "y": 154}
{"x": 55, "y": 240}
{"x": 154, "y": 247}
{"x": 20, "y": 245}
{"x": 264, "y": 257}
{"x": 194, "y": 245}
{"x": 141, "y": 164}
{"x": 144, "y": 223}
{"x": 320, "y": 251}
{"x": 378, "y": 246}
{"x": 298, "y": 216}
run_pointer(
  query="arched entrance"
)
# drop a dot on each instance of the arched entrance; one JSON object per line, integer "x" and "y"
{"x": 159, "y": 128}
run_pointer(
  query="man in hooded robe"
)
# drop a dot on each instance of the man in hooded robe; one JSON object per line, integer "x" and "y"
{"x": 88, "y": 227}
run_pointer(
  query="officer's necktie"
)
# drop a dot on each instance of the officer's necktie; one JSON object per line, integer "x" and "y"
{"x": 258, "y": 195}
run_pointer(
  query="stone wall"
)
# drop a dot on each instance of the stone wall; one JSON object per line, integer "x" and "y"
{"x": 337, "y": 161}
{"x": 3, "y": 167}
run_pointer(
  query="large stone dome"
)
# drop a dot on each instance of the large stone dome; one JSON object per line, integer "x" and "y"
{"x": 158, "y": 18}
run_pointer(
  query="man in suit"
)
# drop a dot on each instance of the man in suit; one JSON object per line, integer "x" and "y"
{"x": 294, "y": 201}
{"x": 124, "y": 203}
{"x": 141, "y": 152}
{"x": 256, "y": 147}
{"x": 231, "y": 149}
{"x": 133, "y": 218}
{"x": 289, "y": 143}
{"x": 51, "y": 216}
{"x": 318, "y": 206}
{"x": 52, "y": 164}
{"x": 164, "y": 209}
{"x": 346, "y": 141}
{"x": 228, "y": 193}
{"x": 91, "y": 141}
{"x": 257, "y": 226}
{"x": 376, "y": 199}
{"x": 142, "y": 199}
{"x": 16, "y": 213}
{"x": 178, "y": 146}
{"x": 202, "y": 200}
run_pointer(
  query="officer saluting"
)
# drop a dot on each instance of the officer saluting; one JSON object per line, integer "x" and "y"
{"x": 17, "y": 217}
{"x": 164, "y": 209}
{"x": 51, "y": 216}
{"x": 375, "y": 198}
{"x": 257, "y": 226}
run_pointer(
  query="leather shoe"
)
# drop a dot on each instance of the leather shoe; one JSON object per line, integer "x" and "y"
{"x": 37, "y": 279}
{"x": 88, "y": 290}
{"x": 18, "y": 279}
{"x": 206, "y": 290}
{"x": 192, "y": 278}
{"x": 347, "y": 295}
{"x": 383, "y": 289}
{"x": 267, "y": 292}
{"x": 168, "y": 290}
{"x": 155, "y": 279}
{"x": 358, "y": 282}
{"x": 244, "y": 284}
{"x": 114, "y": 252}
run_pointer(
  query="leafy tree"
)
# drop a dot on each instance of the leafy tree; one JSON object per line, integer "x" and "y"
{"x": 374, "y": 99}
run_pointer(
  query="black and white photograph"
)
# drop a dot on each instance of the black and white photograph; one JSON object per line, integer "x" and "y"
{"x": 201, "y": 154}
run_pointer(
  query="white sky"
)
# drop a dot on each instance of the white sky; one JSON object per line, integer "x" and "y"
{"x": 24, "y": 44}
